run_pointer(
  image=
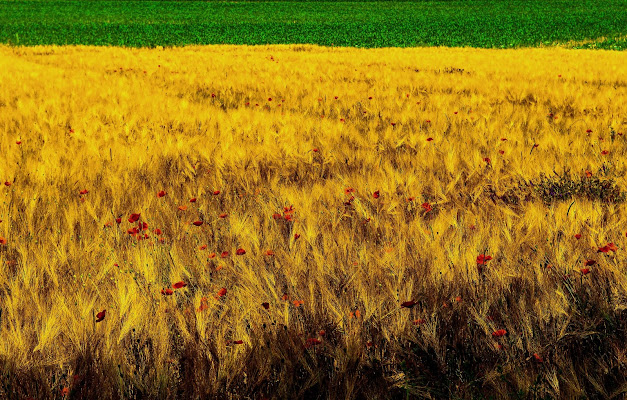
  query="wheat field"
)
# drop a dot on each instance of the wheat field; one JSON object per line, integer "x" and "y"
{"x": 310, "y": 222}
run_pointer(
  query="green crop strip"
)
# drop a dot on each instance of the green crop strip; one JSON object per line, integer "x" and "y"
{"x": 495, "y": 23}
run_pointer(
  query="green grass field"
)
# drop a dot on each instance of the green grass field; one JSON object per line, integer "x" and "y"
{"x": 499, "y": 24}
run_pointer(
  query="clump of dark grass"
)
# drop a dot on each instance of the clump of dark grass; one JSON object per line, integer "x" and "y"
{"x": 564, "y": 187}
{"x": 561, "y": 187}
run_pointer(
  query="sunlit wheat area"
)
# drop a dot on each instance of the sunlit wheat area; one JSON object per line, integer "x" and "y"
{"x": 303, "y": 222}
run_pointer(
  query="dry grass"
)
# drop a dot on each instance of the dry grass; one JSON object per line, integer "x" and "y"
{"x": 126, "y": 124}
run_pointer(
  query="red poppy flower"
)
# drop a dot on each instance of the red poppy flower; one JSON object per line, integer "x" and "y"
{"x": 84, "y": 191}
{"x": 197, "y": 223}
{"x": 143, "y": 226}
{"x": 315, "y": 150}
{"x": 410, "y": 199}
{"x": 7, "y": 183}
{"x": 588, "y": 174}
{"x": 266, "y": 305}
{"x": 134, "y": 217}
{"x": 179, "y": 285}
{"x": 312, "y": 342}
{"x": 222, "y": 292}
{"x": 223, "y": 215}
{"x": 18, "y": 142}
{"x": 429, "y": 139}
{"x": 419, "y": 321}
{"x": 499, "y": 333}
{"x": 238, "y": 342}
{"x": 167, "y": 292}
{"x": 535, "y": 145}
{"x": 482, "y": 259}
{"x": 356, "y": 314}
{"x": 588, "y": 130}
{"x": 578, "y": 236}
{"x": 370, "y": 98}
{"x": 101, "y": 315}
{"x": 605, "y": 152}
{"x": 487, "y": 160}
{"x": 537, "y": 357}
{"x": 589, "y": 263}
{"x": 296, "y": 236}
{"x": 212, "y": 255}
{"x": 349, "y": 190}
{"x": 298, "y": 303}
{"x": 603, "y": 249}
{"x": 182, "y": 208}
{"x": 224, "y": 254}
{"x": 458, "y": 299}
{"x": 585, "y": 271}
{"x": 192, "y": 200}
{"x": 132, "y": 231}
{"x": 408, "y": 304}
{"x": 501, "y": 152}
{"x": 612, "y": 247}
{"x": 503, "y": 139}
{"x": 285, "y": 296}
{"x": 161, "y": 193}
{"x": 216, "y": 192}
{"x": 157, "y": 231}
{"x": 240, "y": 252}
{"x": 427, "y": 207}
{"x": 376, "y": 194}
{"x": 203, "y": 304}
{"x": 118, "y": 220}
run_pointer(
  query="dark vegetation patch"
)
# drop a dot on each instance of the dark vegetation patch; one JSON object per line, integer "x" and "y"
{"x": 560, "y": 187}
{"x": 563, "y": 187}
